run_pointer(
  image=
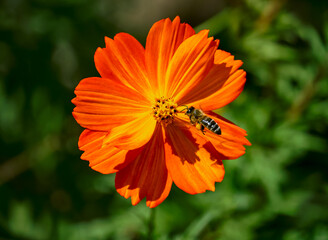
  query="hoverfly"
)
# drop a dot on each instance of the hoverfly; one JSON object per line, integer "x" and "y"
{"x": 202, "y": 121}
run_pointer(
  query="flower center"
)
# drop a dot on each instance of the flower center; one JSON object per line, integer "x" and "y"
{"x": 164, "y": 110}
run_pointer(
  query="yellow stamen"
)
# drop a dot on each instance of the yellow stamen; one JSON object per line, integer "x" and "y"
{"x": 164, "y": 110}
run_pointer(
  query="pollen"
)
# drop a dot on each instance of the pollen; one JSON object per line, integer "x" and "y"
{"x": 164, "y": 110}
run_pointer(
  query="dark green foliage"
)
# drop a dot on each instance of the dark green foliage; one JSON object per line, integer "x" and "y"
{"x": 277, "y": 190}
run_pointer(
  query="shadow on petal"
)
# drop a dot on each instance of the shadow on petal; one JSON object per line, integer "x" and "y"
{"x": 182, "y": 143}
{"x": 193, "y": 163}
{"x": 214, "y": 81}
{"x": 147, "y": 175}
{"x": 104, "y": 159}
{"x": 186, "y": 140}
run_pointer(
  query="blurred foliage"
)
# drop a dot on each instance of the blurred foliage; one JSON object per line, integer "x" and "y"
{"x": 277, "y": 190}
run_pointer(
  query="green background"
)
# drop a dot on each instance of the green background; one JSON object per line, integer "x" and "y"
{"x": 277, "y": 190}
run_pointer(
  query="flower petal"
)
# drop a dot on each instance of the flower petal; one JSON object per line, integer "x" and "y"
{"x": 222, "y": 85}
{"x": 193, "y": 163}
{"x": 230, "y": 142}
{"x": 147, "y": 176}
{"x": 103, "y": 159}
{"x": 190, "y": 64}
{"x": 124, "y": 59}
{"x": 162, "y": 41}
{"x": 133, "y": 134}
{"x": 104, "y": 103}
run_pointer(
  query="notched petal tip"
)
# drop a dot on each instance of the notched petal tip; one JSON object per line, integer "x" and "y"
{"x": 102, "y": 104}
{"x": 223, "y": 84}
{"x": 103, "y": 160}
{"x": 192, "y": 162}
{"x": 163, "y": 39}
{"x": 205, "y": 33}
{"x": 191, "y": 62}
{"x": 232, "y": 140}
{"x": 177, "y": 19}
{"x": 123, "y": 59}
{"x": 147, "y": 176}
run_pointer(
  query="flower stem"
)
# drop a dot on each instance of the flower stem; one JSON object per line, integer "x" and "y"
{"x": 151, "y": 224}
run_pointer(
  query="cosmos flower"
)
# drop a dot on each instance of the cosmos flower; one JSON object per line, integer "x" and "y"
{"x": 133, "y": 114}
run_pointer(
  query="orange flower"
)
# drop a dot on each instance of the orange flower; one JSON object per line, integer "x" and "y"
{"x": 134, "y": 126}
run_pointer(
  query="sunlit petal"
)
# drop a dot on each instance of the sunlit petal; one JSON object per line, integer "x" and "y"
{"x": 190, "y": 64}
{"x": 133, "y": 134}
{"x": 163, "y": 39}
{"x": 222, "y": 85}
{"x": 124, "y": 60}
{"x": 136, "y": 119}
{"x": 104, "y": 103}
{"x": 103, "y": 159}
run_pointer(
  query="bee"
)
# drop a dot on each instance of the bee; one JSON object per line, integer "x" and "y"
{"x": 202, "y": 121}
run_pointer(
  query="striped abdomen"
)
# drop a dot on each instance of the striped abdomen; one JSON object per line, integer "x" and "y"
{"x": 211, "y": 125}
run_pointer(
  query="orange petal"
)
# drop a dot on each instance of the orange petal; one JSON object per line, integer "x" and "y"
{"x": 103, "y": 159}
{"x": 124, "y": 60}
{"x": 222, "y": 85}
{"x": 147, "y": 176}
{"x": 193, "y": 163}
{"x": 162, "y": 41}
{"x": 190, "y": 64}
{"x": 133, "y": 134}
{"x": 104, "y": 103}
{"x": 230, "y": 142}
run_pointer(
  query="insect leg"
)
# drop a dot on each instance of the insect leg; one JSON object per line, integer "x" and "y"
{"x": 193, "y": 120}
{"x": 203, "y": 129}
